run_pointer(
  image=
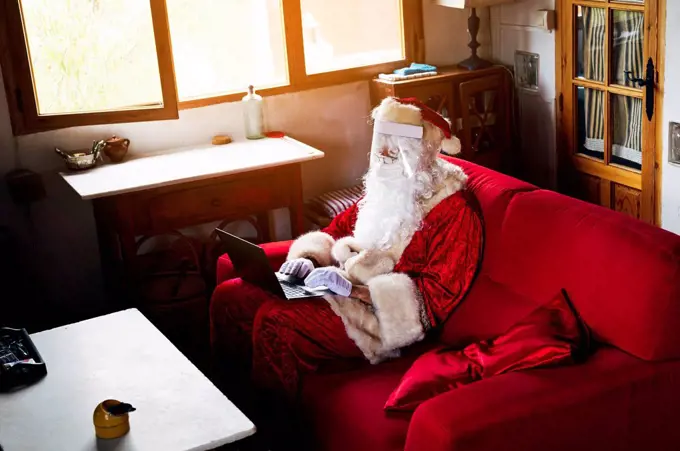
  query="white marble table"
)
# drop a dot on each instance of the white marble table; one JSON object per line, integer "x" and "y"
{"x": 120, "y": 356}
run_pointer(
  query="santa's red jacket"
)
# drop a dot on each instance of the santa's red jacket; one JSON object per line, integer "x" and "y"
{"x": 434, "y": 271}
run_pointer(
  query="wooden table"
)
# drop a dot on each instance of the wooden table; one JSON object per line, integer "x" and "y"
{"x": 120, "y": 356}
{"x": 161, "y": 193}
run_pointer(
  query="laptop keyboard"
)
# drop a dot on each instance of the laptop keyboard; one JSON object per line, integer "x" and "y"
{"x": 291, "y": 291}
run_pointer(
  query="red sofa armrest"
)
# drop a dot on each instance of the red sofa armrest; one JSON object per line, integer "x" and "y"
{"x": 276, "y": 252}
{"x": 613, "y": 401}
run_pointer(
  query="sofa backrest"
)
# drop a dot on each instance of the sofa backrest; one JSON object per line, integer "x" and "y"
{"x": 622, "y": 275}
{"x": 494, "y": 191}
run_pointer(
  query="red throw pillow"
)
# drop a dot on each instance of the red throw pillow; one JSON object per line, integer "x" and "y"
{"x": 550, "y": 335}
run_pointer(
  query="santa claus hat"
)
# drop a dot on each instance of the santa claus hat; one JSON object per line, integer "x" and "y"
{"x": 407, "y": 117}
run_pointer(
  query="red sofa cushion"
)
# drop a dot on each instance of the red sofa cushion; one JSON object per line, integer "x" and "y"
{"x": 550, "y": 335}
{"x": 622, "y": 275}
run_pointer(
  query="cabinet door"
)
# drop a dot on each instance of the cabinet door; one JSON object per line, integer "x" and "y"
{"x": 485, "y": 120}
{"x": 608, "y": 119}
{"x": 438, "y": 96}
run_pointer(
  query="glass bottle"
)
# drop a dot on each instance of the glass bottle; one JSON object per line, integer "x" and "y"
{"x": 252, "y": 114}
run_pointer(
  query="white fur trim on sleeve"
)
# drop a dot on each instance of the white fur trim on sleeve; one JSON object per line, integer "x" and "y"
{"x": 397, "y": 307}
{"x": 369, "y": 264}
{"x": 316, "y": 245}
{"x": 345, "y": 248}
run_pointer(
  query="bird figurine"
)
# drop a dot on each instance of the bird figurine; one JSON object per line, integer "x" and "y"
{"x": 111, "y": 419}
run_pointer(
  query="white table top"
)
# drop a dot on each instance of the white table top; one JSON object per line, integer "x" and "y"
{"x": 189, "y": 164}
{"x": 119, "y": 356}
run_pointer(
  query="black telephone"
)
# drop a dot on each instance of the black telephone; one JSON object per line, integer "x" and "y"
{"x": 20, "y": 361}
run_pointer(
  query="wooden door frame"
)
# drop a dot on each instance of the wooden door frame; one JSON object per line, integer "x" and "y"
{"x": 661, "y": 93}
{"x": 651, "y": 186}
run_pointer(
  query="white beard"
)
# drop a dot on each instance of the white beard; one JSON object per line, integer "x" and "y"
{"x": 388, "y": 213}
{"x": 392, "y": 208}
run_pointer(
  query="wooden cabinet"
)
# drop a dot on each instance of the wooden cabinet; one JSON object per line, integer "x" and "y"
{"x": 478, "y": 104}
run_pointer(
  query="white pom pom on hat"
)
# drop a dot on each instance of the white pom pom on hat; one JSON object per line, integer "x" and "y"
{"x": 451, "y": 146}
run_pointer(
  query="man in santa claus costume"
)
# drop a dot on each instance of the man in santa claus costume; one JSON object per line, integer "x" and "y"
{"x": 398, "y": 262}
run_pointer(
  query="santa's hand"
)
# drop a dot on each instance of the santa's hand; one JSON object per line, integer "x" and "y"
{"x": 298, "y": 267}
{"x": 330, "y": 278}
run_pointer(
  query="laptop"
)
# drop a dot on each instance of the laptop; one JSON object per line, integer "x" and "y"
{"x": 252, "y": 265}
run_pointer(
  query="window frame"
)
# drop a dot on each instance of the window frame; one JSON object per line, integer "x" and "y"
{"x": 20, "y": 91}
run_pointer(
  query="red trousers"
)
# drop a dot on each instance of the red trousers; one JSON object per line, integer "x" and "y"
{"x": 283, "y": 339}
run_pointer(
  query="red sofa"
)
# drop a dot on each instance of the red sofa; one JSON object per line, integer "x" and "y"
{"x": 622, "y": 275}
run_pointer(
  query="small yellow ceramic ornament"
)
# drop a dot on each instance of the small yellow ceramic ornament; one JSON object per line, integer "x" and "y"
{"x": 111, "y": 419}
{"x": 219, "y": 140}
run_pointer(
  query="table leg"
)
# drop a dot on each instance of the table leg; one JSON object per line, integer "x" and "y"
{"x": 264, "y": 227}
{"x": 112, "y": 274}
{"x": 128, "y": 249}
{"x": 297, "y": 217}
{"x": 105, "y": 233}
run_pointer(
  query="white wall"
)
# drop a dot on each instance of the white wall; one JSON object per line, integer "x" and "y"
{"x": 446, "y": 35}
{"x": 511, "y": 30}
{"x": 57, "y": 243}
{"x": 670, "y": 176}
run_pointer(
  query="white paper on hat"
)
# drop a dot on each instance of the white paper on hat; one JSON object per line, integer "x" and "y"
{"x": 395, "y": 128}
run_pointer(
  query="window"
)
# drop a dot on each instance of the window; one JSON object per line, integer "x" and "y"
{"x": 82, "y": 62}
{"x": 223, "y": 46}
{"x": 116, "y": 70}
{"x": 341, "y": 35}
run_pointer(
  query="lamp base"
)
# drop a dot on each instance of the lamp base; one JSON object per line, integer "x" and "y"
{"x": 475, "y": 63}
